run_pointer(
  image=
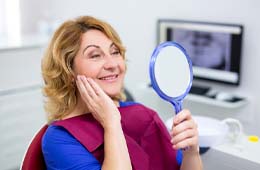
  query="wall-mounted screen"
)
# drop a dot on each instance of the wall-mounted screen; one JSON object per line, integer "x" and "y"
{"x": 215, "y": 48}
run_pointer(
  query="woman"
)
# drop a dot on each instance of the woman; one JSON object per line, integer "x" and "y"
{"x": 89, "y": 125}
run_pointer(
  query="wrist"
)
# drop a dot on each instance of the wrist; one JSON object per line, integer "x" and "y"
{"x": 193, "y": 150}
{"x": 113, "y": 121}
{"x": 112, "y": 126}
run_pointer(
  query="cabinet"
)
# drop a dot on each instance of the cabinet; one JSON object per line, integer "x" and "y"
{"x": 20, "y": 67}
{"x": 21, "y": 102}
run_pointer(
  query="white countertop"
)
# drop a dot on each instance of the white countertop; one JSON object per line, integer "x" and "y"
{"x": 243, "y": 148}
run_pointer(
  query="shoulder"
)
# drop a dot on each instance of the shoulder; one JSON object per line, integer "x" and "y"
{"x": 59, "y": 141}
{"x": 55, "y": 132}
{"x": 56, "y": 136}
{"x": 62, "y": 151}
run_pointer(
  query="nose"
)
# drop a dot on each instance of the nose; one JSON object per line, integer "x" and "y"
{"x": 110, "y": 63}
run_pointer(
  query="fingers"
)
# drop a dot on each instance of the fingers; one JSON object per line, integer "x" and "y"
{"x": 184, "y": 125}
{"x": 189, "y": 143}
{"x": 183, "y": 116}
{"x": 98, "y": 103}
{"x": 95, "y": 87}
{"x": 89, "y": 94}
{"x": 184, "y": 131}
{"x": 85, "y": 87}
{"x": 180, "y": 117}
{"x": 185, "y": 139}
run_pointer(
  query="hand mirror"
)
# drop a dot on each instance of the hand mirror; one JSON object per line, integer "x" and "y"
{"x": 171, "y": 73}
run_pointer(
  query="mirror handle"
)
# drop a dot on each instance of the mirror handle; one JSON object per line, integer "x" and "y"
{"x": 177, "y": 105}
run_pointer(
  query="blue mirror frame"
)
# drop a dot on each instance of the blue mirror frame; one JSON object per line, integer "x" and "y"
{"x": 176, "y": 101}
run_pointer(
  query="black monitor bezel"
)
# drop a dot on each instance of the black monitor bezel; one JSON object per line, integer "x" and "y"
{"x": 236, "y": 49}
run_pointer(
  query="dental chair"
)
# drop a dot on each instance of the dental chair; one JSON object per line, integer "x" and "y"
{"x": 33, "y": 158}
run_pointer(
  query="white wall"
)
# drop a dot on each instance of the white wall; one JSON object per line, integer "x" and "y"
{"x": 135, "y": 20}
{"x": 21, "y": 102}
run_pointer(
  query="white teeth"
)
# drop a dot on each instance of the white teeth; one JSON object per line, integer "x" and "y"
{"x": 108, "y": 78}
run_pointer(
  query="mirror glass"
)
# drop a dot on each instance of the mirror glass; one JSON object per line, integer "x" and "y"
{"x": 171, "y": 73}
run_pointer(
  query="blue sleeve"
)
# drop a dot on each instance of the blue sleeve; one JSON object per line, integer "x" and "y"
{"x": 179, "y": 157}
{"x": 62, "y": 151}
{"x": 127, "y": 103}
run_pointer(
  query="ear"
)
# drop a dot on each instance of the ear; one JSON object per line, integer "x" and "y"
{"x": 73, "y": 77}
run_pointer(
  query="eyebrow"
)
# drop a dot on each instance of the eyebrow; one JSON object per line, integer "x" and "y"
{"x": 96, "y": 46}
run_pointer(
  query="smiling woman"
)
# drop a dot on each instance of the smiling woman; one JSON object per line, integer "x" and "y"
{"x": 100, "y": 59}
{"x": 90, "y": 124}
{"x": 83, "y": 70}
{"x": 83, "y": 47}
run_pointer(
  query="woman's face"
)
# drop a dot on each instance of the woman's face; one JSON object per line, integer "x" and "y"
{"x": 100, "y": 59}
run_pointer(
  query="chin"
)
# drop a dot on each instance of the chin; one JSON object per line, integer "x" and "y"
{"x": 112, "y": 94}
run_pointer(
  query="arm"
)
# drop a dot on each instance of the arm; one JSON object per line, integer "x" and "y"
{"x": 185, "y": 135}
{"x": 106, "y": 113}
{"x": 191, "y": 160}
{"x": 116, "y": 152}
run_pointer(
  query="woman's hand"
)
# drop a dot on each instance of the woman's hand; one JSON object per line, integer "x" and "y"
{"x": 106, "y": 113}
{"x": 98, "y": 102}
{"x": 184, "y": 132}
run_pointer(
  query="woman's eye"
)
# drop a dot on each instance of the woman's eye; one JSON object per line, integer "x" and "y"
{"x": 115, "y": 53}
{"x": 95, "y": 56}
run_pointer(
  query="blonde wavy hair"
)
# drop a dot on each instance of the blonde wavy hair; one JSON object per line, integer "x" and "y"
{"x": 59, "y": 85}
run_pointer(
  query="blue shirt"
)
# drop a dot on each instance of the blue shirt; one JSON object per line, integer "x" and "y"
{"x": 62, "y": 151}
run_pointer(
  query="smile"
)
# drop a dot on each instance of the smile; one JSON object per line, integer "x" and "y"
{"x": 109, "y": 78}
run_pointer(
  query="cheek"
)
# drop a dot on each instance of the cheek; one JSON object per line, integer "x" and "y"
{"x": 91, "y": 71}
{"x": 123, "y": 66}
{"x": 86, "y": 68}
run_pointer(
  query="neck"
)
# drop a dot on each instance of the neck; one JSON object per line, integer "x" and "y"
{"x": 81, "y": 108}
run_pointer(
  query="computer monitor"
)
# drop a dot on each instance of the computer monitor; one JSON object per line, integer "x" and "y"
{"x": 214, "y": 48}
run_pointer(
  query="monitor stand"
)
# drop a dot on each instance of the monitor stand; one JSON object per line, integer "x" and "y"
{"x": 210, "y": 93}
{"x": 199, "y": 90}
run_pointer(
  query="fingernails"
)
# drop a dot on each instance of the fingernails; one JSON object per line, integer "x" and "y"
{"x": 79, "y": 77}
{"x": 88, "y": 79}
{"x": 83, "y": 78}
{"x": 172, "y": 141}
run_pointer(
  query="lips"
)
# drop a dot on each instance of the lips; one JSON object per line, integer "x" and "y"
{"x": 109, "y": 77}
